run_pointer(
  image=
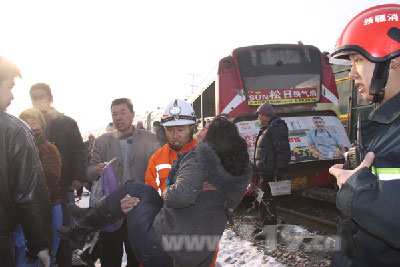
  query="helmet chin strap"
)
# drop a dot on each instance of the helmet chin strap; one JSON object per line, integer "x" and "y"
{"x": 379, "y": 80}
{"x": 178, "y": 148}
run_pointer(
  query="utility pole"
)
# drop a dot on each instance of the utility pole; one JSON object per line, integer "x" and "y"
{"x": 192, "y": 85}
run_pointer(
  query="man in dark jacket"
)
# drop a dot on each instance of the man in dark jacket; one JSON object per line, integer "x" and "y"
{"x": 369, "y": 196}
{"x": 24, "y": 197}
{"x": 271, "y": 158}
{"x": 64, "y": 133}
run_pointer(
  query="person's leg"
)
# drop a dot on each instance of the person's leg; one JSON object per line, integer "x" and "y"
{"x": 97, "y": 251}
{"x": 267, "y": 208}
{"x": 19, "y": 242}
{"x": 90, "y": 257}
{"x": 112, "y": 248}
{"x": 64, "y": 251}
{"x": 77, "y": 212}
{"x": 142, "y": 236}
{"x": 57, "y": 222}
{"x": 112, "y": 203}
{"x": 79, "y": 193}
{"x": 106, "y": 212}
{"x": 140, "y": 228}
{"x": 132, "y": 261}
{"x": 130, "y": 255}
{"x": 7, "y": 253}
{"x": 267, "y": 211}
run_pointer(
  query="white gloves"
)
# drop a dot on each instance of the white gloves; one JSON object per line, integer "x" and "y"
{"x": 44, "y": 258}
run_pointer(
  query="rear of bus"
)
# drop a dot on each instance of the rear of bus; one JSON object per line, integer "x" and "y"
{"x": 298, "y": 81}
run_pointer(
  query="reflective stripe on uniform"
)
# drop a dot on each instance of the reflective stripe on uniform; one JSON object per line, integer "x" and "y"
{"x": 161, "y": 167}
{"x": 386, "y": 174}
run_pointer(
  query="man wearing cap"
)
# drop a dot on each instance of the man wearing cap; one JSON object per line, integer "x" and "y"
{"x": 271, "y": 158}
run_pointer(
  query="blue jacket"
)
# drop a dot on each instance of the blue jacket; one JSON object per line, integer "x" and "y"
{"x": 370, "y": 199}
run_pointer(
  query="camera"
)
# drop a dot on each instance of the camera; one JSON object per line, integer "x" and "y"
{"x": 356, "y": 154}
{"x": 353, "y": 158}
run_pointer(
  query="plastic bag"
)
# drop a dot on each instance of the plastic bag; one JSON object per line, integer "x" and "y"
{"x": 101, "y": 188}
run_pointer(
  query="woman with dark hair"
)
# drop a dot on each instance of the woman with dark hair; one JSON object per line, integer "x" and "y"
{"x": 204, "y": 185}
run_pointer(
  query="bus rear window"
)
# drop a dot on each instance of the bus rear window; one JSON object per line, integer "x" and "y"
{"x": 280, "y": 75}
{"x": 278, "y": 56}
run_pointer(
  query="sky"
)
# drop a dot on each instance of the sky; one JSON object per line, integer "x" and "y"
{"x": 92, "y": 51}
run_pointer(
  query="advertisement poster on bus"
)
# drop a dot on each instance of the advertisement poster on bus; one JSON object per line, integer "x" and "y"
{"x": 310, "y": 137}
{"x": 282, "y": 96}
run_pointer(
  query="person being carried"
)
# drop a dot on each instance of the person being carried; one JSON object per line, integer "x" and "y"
{"x": 179, "y": 130}
{"x": 205, "y": 184}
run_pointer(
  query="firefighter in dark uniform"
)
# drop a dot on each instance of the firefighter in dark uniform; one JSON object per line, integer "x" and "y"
{"x": 369, "y": 196}
{"x": 271, "y": 158}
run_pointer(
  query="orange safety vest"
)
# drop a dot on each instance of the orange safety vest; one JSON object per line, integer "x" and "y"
{"x": 159, "y": 166}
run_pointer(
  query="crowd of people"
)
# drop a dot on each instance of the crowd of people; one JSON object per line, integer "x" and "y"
{"x": 147, "y": 188}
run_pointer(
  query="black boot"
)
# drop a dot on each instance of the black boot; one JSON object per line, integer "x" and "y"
{"x": 76, "y": 211}
{"x": 96, "y": 219}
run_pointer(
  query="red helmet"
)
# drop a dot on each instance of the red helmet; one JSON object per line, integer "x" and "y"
{"x": 374, "y": 33}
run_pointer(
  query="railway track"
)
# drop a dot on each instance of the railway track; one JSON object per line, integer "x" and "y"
{"x": 315, "y": 215}
{"x": 310, "y": 244}
{"x": 322, "y": 226}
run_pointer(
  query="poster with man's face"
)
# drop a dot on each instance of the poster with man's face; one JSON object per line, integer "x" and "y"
{"x": 311, "y": 137}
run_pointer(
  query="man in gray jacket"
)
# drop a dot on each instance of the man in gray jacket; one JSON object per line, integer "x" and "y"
{"x": 132, "y": 149}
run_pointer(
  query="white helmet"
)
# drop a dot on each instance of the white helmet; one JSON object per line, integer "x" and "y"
{"x": 177, "y": 113}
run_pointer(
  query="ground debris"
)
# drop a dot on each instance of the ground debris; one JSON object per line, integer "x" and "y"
{"x": 246, "y": 219}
